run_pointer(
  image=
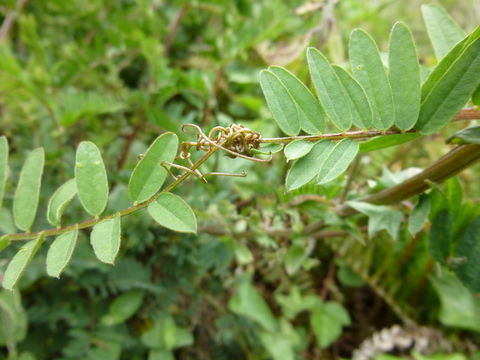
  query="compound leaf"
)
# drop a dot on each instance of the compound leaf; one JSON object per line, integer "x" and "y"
{"x": 25, "y": 202}
{"x": 91, "y": 178}
{"x": 149, "y": 174}
{"x": 172, "y": 212}
{"x": 60, "y": 252}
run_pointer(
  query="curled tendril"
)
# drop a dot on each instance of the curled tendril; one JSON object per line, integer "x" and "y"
{"x": 235, "y": 140}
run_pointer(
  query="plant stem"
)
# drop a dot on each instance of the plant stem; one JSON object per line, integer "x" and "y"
{"x": 125, "y": 212}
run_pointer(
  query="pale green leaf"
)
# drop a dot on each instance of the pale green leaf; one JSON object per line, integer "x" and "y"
{"x": 172, "y": 212}
{"x": 468, "y": 248}
{"x": 327, "y": 322}
{"x": 91, "y": 178}
{"x": 6, "y": 221}
{"x": 247, "y": 302}
{"x": 60, "y": 200}
{"x": 330, "y": 90}
{"x": 359, "y": 105}
{"x": 297, "y": 149}
{"x": 368, "y": 69}
{"x": 13, "y": 319}
{"x": 306, "y": 168}
{"x": 25, "y": 202}
{"x": 379, "y": 218}
{"x": 149, "y": 174}
{"x": 280, "y": 103}
{"x": 404, "y": 76}
{"x": 20, "y": 261}
{"x": 443, "y": 31}
{"x": 60, "y": 252}
{"x": 419, "y": 214}
{"x": 337, "y": 161}
{"x": 450, "y": 85}
{"x": 3, "y": 166}
{"x": 294, "y": 258}
{"x": 311, "y": 113}
{"x": 123, "y": 308}
{"x": 459, "y": 307}
{"x": 105, "y": 239}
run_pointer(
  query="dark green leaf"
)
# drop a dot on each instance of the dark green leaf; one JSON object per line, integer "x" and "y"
{"x": 443, "y": 31}
{"x": 123, "y": 308}
{"x": 440, "y": 235}
{"x": 470, "y": 135}
{"x": 311, "y": 114}
{"x": 368, "y": 69}
{"x": 337, "y": 161}
{"x": 419, "y": 214}
{"x": 404, "y": 77}
{"x": 280, "y": 103}
{"x": 450, "y": 85}
{"x": 3, "y": 165}
{"x": 25, "y": 202}
{"x": 297, "y": 149}
{"x": 91, "y": 178}
{"x": 306, "y": 168}
{"x": 468, "y": 248}
{"x": 172, "y": 212}
{"x": 149, "y": 175}
{"x": 385, "y": 141}
{"x": 330, "y": 90}
{"x": 476, "y": 97}
{"x": 359, "y": 105}
{"x": 105, "y": 239}
{"x": 60, "y": 200}
{"x": 20, "y": 261}
{"x": 60, "y": 252}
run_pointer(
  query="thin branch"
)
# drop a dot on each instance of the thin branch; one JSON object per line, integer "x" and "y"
{"x": 173, "y": 29}
{"x": 10, "y": 19}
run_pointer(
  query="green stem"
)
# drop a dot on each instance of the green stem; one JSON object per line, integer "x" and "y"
{"x": 125, "y": 212}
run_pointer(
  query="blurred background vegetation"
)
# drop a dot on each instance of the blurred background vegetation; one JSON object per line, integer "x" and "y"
{"x": 118, "y": 73}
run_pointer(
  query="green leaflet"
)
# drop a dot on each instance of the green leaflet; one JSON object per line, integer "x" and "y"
{"x": 25, "y": 202}
{"x": 359, "y": 104}
{"x": 450, "y": 85}
{"x": 280, "y": 103}
{"x": 149, "y": 175}
{"x": 123, "y": 307}
{"x": 60, "y": 200}
{"x": 368, "y": 69}
{"x": 60, "y": 252}
{"x": 311, "y": 113}
{"x": 419, "y": 214}
{"x": 337, "y": 161}
{"x": 172, "y": 212}
{"x": 4, "y": 242}
{"x": 404, "y": 76}
{"x": 443, "y": 31}
{"x": 379, "y": 218}
{"x": 297, "y": 149}
{"x": 440, "y": 235}
{"x": 330, "y": 91}
{"x": 470, "y": 135}
{"x": 14, "y": 322}
{"x": 20, "y": 261}
{"x": 306, "y": 168}
{"x": 3, "y": 165}
{"x": 249, "y": 303}
{"x": 327, "y": 322}
{"x": 105, "y": 239}
{"x": 469, "y": 248}
{"x": 382, "y": 142}
{"x": 7, "y": 224}
{"x": 91, "y": 178}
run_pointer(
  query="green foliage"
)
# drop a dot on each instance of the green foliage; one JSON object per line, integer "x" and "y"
{"x": 60, "y": 200}
{"x": 105, "y": 239}
{"x": 173, "y": 212}
{"x": 60, "y": 252}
